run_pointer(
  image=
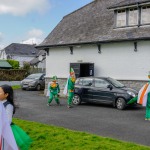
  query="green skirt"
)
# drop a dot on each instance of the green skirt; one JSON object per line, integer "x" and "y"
{"x": 22, "y": 139}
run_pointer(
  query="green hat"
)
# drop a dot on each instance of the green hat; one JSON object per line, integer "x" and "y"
{"x": 71, "y": 71}
{"x": 54, "y": 78}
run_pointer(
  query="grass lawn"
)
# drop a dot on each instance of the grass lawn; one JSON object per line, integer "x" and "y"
{"x": 16, "y": 87}
{"x": 47, "y": 137}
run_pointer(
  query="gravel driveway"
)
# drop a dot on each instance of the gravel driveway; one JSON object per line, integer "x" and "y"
{"x": 128, "y": 125}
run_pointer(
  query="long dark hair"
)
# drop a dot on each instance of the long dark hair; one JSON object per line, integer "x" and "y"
{"x": 9, "y": 90}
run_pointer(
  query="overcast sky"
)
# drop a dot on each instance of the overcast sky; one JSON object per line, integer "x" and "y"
{"x": 30, "y": 21}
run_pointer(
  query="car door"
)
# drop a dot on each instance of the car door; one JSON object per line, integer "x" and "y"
{"x": 101, "y": 92}
{"x": 87, "y": 85}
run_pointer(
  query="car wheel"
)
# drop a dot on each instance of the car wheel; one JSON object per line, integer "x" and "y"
{"x": 120, "y": 103}
{"x": 38, "y": 87}
{"x": 76, "y": 99}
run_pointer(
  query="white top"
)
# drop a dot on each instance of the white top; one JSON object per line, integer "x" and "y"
{"x": 9, "y": 110}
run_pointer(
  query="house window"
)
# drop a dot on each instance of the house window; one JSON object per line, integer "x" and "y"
{"x": 145, "y": 15}
{"x": 121, "y": 18}
{"x": 133, "y": 17}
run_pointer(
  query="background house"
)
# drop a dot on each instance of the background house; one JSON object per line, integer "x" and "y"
{"x": 39, "y": 61}
{"x": 111, "y": 34}
{"x": 19, "y": 52}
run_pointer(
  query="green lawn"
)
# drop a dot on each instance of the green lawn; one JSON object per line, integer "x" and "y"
{"x": 16, "y": 87}
{"x": 47, "y": 137}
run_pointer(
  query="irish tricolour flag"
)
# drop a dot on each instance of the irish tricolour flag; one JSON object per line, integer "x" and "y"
{"x": 7, "y": 141}
{"x": 143, "y": 93}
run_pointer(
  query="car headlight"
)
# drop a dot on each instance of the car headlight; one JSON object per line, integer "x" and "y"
{"x": 131, "y": 93}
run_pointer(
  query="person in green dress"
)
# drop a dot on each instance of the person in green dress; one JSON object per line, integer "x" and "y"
{"x": 23, "y": 140}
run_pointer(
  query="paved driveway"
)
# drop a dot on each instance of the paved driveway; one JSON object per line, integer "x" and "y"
{"x": 128, "y": 125}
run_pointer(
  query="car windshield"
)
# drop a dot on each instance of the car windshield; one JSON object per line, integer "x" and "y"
{"x": 34, "y": 76}
{"x": 116, "y": 83}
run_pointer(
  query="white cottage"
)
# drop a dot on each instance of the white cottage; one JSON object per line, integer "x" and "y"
{"x": 20, "y": 52}
{"x": 114, "y": 35}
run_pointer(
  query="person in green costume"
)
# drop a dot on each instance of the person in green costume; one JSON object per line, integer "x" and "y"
{"x": 54, "y": 90}
{"x": 70, "y": 87}
{"x": 143, "y": 98}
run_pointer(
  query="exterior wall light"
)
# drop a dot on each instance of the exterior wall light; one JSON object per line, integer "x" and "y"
{"x": 135, "y": 46}
{"x": 71, "y": 50}
{"x": 99, "y": 48}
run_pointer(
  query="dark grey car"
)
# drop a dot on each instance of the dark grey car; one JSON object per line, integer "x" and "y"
{"x": 102, "y": 90}
{"x": 34, "y": 81}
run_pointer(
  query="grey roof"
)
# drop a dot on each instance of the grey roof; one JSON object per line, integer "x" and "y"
{"x": 4, "y": 64}
{"x": 21, "y": 49}
{"x": 90, "y": 24}
{"x": 129, "y": 3}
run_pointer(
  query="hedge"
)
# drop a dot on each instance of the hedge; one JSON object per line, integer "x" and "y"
{"x": 12, "y": 74}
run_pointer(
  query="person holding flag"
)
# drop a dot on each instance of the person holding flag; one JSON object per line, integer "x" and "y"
{"x": 7, "y": 140}
{"x": 143, "y": 98}
{"x": 53, "y": 90}
{"x": 69, "y": 88}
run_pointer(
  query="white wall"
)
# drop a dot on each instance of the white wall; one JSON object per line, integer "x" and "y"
{"x": 3, "y": 54}
{"x": 117, "y": 60}
{"x": 21, "y": 59}
{"x": 42, "y": 64}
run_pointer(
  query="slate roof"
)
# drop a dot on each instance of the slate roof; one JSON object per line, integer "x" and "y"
{"x": 21, "y": 49}
{"x": 129, "y": 3}
{"x": 4, "y": 64}
{"x": 91, "y": 24}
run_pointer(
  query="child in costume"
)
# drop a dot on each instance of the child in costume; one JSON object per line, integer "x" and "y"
{"x": 69, "y": 88}
{"x": 143, "y": 98}
{"x": 53, "y": 90}
{"x": 6, "y": 97}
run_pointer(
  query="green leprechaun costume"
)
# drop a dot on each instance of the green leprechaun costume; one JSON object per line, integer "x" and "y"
{"x": 143, "y": 98}
{"x": 54, "y": 90}
{"x": 70, "y": 87}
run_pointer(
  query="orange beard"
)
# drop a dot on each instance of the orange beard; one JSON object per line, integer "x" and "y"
{"x": 53, "y": 85}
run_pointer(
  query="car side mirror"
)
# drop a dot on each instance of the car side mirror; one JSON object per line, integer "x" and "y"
{"x": 110, "y": 87}
{"x": 90, "y": 84}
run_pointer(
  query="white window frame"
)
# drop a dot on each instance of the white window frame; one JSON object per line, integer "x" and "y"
{"x": 121, "y": 14}
{"x": 133, "y": 17}
{"x": 145, "y": 15}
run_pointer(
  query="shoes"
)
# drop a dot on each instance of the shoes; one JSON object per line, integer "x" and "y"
{"x": 48, "y": 104}
{"x": 58, "y": 104}
{"x": 147, "y": 119}
{"x": 69, "y": 106}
